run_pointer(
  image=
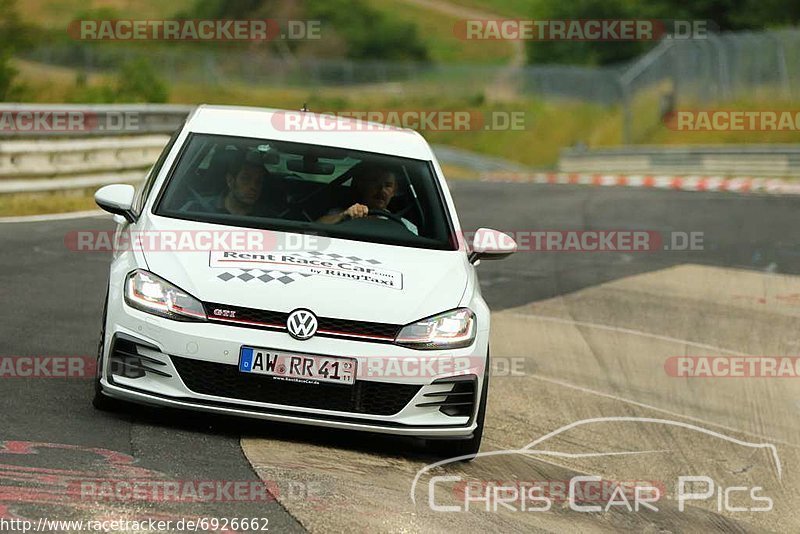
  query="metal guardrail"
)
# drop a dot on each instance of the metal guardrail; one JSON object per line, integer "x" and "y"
{"x": 31, "y": 121}
{"x": 477, "y": 162}
{"x": 63, "y": 157}
{"x": 28, "y": 166}
{"x": 48, "y": 165}
{"x": 43, "y": 160}
{"x": 53, "y": 147}
{"x": 729, "y": 160}
{"x": 60, "y": 160}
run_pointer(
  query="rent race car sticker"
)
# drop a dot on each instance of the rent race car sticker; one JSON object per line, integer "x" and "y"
{"x": 288, "y": 268}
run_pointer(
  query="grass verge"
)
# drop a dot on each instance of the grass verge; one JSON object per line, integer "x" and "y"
{"x": 18, "y": 204}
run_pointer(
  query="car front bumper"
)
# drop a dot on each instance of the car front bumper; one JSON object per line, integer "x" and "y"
{"x": 161, "y": 343}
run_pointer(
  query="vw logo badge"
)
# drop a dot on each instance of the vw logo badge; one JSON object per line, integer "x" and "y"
{"x": 302, "y": 324}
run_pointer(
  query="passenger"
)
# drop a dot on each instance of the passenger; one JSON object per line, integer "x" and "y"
{"x": 244, "y": 179}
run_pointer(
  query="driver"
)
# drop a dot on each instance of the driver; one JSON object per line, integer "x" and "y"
{"x": 373, "y": 188}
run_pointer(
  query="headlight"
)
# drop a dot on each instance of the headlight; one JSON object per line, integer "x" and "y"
{"x": 449, "y": 330}
{"x": 149, "y": 293}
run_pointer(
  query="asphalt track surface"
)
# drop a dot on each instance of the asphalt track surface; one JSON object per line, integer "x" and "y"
{"x": 590, "y": 332}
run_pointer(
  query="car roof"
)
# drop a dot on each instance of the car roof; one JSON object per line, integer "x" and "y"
{"x": 340, "y": 132}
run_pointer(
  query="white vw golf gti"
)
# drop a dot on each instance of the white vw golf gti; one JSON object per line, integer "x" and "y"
{"x": 294, "y": 267}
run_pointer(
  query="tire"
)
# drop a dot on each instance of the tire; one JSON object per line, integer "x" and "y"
{"x": 100, "y": 401}
{"x": 451, "y": 448}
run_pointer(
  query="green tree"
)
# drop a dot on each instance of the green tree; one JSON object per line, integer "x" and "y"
{"x": 368, "y": 33}
{"x": 585, "y": 52}
{"x": 14, "y": 35}
{"x": 137, "y": 81}
{"x": 7, "y": 75}
{"x": 731, "y": 14}
{"x": 721, "y": 15}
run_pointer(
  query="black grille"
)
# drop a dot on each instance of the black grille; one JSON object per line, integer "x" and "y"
{"x": 457, "y": 402}
{"x": 327, "y": 326}
{"x": 125, "y": 360}
{"x": 221, "y": 380}
{"x": 363, "y": 328}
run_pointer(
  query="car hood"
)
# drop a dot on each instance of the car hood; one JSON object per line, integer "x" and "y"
{"x": 335, "y": 278}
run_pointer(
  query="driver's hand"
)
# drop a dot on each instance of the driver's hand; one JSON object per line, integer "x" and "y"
{"x": 356, "y": 211}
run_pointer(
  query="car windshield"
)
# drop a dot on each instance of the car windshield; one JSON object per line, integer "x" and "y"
{"x": 296, "y": 187}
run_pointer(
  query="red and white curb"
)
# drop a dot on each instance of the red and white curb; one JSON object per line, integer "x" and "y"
{"x": 744, "y": 184}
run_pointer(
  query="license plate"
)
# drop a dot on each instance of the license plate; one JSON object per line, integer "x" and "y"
{"x": 297, "y": 367}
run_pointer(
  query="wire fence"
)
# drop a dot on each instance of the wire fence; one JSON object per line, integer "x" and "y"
{"x": 722, "y": 69}
{"x": 708, "y": 71}
{"x": 211, "y": 66}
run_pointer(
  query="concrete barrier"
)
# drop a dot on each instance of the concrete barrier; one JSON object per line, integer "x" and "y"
{"x": 49, "y": 160}
{"x": 49, "y": 165}
{"x": 35, "y": 121}
{"x": 51, "y": 147}
{"x": 779, "y": 160}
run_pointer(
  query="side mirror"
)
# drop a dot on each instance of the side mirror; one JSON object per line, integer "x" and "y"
{"x": 491, "y": 244}
{"x": 116, "y": 199}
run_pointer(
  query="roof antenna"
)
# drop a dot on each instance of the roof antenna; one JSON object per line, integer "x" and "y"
{"x": 305, "y": 107}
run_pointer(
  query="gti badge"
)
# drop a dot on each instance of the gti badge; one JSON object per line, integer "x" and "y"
{"x": 302, "y": 324}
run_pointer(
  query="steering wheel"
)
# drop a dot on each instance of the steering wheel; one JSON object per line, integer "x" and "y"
{"x": 388, "y": 214}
